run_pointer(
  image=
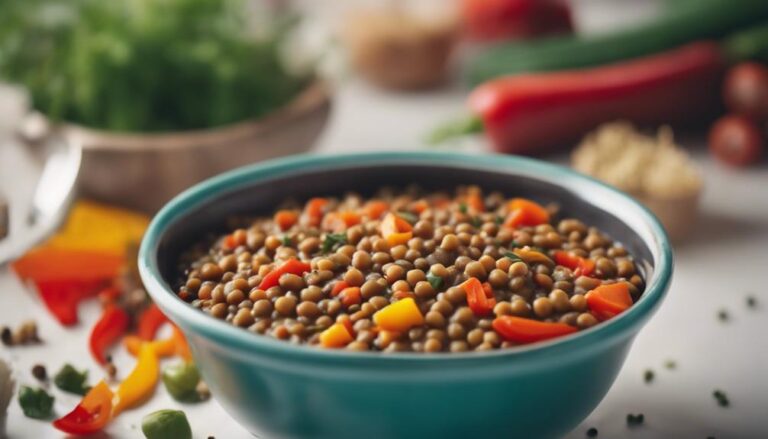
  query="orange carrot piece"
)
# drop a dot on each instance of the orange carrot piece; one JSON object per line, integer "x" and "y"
{"x": 350, "y": 296}
{"x": 47, "y": 263}
{"x": 521, "y": 330}
{"x": 285, "y": 219}
{"x": 375, "y": 209}
{"x": 607, "y": 301}
{"x": 313, "y": 211}
{"x": 477, "y": 297}
{"x": 524, "y": 212}
{"x": 396, "y": 230}
{"x": 338, "y": 287}
{"x": 475, "y": 202}
{"x": 580, "y": 266}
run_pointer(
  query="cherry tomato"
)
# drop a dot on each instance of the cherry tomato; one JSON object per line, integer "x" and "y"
{"x": 746, "y": 90}
{"x": 736, "y": 140}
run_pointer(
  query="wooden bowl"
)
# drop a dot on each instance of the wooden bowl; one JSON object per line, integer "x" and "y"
{"x": 143, "y": 171}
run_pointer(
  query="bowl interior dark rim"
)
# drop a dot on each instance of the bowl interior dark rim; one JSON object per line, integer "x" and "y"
{"x": 632, "y": 213}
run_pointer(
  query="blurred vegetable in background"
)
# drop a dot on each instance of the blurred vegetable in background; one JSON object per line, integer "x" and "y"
{"x": 489, "y": 20}
{"x": 145, "y": 65}
{"x": 683, "y": 22}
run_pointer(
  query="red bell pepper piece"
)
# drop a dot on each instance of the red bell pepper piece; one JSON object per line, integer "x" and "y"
{"x": 488, "y": 20}
{"x": 92, "y": 414}
{"x": 292, "y": 266}
{"x": 108, "y": 329}
{"x": 534, "y": 112}
{"x": 521, "y": 330}
{"x": 61, "y": 297}
{"x": 480, "y": 301}
{"x": 150, "y": 321}
{"x": 579, "y": 265}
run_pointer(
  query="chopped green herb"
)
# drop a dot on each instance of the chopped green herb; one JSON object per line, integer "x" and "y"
{"x": 408, "y": 216}
{"x": 499, "y": 219}
{"x": 476, "y": 221}
{"x": 670, "y": 364}
{"x": 332, "y": 240}
{"x": 514, "y": 244}
{"x": 648, "y": 375}
{"x": 71, "y": 380}
{"x": 723, "y": 315}
{"x": 751, "y": 302}
{"x": 592, "y": 432}
{"x": 35, "y": 403}
{"x": 512, "y": 256}
{"x": 435, "y": 281}
{"x": 463, "y": 208}
{"x": 722, "y": 398}
{"x": 634, "y": 420}
{"x": 287, "y": 241}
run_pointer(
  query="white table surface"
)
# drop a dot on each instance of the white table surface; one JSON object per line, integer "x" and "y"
{"x": 725, "y": 259}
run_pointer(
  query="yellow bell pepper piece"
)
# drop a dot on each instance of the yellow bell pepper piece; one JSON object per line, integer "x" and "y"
{"x": 336, "y": 336}
{"x": 141, "y": 383}
{"x": 399, "y": 316}
{"x": 532, "y": 256}
{"x": 176, "y": 344}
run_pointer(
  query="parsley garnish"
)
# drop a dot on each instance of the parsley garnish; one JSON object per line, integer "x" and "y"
{"x": 463, "y": 207}
{"x": 287, "y": 241}
{"x": 332, "y": 240}
{"x": 72, "y": 380}
{"x": 435, "y": 281}
{"x": 514, "y": 257}
{"x": 35, "y": 403}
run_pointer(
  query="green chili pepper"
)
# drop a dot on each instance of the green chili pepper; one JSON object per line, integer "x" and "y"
{"x": 181, "y": 380}
{"x": 71, "y": 380}
{"x": 164, "y": 424}
{"x": 35, "y": 403}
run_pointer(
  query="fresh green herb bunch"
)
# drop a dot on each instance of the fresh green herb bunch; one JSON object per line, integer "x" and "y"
{"x": 145, "y": 65}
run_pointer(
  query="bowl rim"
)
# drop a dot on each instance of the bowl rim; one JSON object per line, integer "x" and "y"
{"x": 623, "y": 325}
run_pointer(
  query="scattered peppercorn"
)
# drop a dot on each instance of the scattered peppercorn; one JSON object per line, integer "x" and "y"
{"x": 670, "y": 364}
{"x": 722, "y": 398}
{"x": 6, "y": 336}
{"x": 39, "y": 372}
{"x": 111, "y": 370}
{"x": 635, "y": 420}
{"x": 26, "y": 333}
{"x": 592, "y": 432}
{"x": 751, "y": 302}
{"x": 723, "y": 315}
{"x": 648, "y": 375}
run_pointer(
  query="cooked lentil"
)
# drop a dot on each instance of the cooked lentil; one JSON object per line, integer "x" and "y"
{"x": 338, "y": 275}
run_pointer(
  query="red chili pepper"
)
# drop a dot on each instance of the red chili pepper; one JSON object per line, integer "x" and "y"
{"x": 150, "y": 322}
{"x": 579, "y": 265}
{"x": 534, "y": 112}
{"x": 480, "y": 300}
{"x": 292, "y": 266}
{"x": 61, "y": 297}
{"x": 92, "y": 414}
{"x": 499, "y": 19}
{"x": 108, "y": 329}
{"x": 521, "y": 330}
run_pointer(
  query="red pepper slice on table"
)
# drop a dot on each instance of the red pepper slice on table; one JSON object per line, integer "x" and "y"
{"x": 108, "y": 329}
{"x": 292, "y": 266}
{"x": 92, "y": 414}
{"x": 521, "y": 330}
{"x": 150, "y": 321}
{"x": 580, "y": 266}
{"x": 62, "y": 297}
{"x": 607, "y": 301}
{"x": 480, "y": 302}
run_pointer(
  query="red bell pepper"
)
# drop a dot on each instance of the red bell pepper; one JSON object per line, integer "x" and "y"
{"x": 61, "y": 297}
{"x": 488, "y": 20}
{"x": 92, "y": 414}
{"x": 108, "y": 329}
{"x": 292, "y": 266}
{"x": 521, "y": 330}
{"x": 579, "y": 265}
{"x": 479, "y": 297}
{"x": 150, "y": 321}
{"x": 533, "y": 113}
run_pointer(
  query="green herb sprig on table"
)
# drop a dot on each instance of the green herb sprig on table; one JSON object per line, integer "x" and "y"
{"x": 72, "y": 380}
{"x": 35, "y": 403}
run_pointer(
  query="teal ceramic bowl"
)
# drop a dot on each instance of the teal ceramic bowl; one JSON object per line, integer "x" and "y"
{"x": 279, "y": 390}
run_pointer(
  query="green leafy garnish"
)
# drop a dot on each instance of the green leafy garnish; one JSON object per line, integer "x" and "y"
{"x": 463, "y": 207}
{"x": 287, "y": 241}
{"x": 499, "y": 219}
{"x": 71, "y": 380}
{"x": 35, "y": 403}
{"x": 476, "y": 221}
{"x": 408, "y": 216}
{"x": 513, "y": 257}
{"x": 332, "y": 240}
{"x": 435, "y": 281}
{"x": 722, "y": 398}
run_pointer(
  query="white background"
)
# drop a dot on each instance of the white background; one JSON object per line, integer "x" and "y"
{"x": 725, "y": 258}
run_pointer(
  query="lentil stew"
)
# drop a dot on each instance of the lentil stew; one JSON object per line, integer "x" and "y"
{"x": 412, "y": 270}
